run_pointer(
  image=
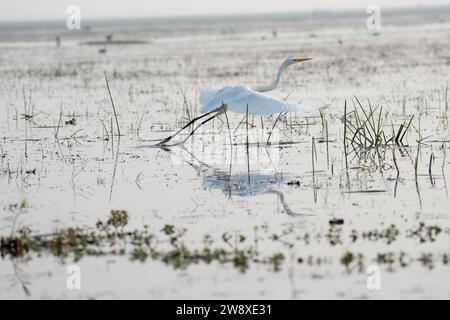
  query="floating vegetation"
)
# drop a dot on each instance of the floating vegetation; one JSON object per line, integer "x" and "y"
{"x": 389, "y": 234}
{"x": 109, "y": 237}
{"x": 334, "y": 234}
{"x": 351, "y": 260}
{"x": 425, "y": 233}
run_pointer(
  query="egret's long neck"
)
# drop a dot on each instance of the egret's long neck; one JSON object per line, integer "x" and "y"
{"x": 273, "y": 84}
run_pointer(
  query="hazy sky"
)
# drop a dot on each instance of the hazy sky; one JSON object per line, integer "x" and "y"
{"x": 56, "y": 9}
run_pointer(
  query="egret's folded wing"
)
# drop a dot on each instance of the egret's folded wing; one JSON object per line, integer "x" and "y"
{"x": 238, "y": 97}
{"x": 258, "y": 103}
{"x": 210, "y": 99}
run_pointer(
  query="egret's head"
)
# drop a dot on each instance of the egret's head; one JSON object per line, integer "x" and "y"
{"x": 292, "y": 60}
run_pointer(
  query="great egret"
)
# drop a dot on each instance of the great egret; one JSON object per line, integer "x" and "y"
{"x": 242, "y": 99}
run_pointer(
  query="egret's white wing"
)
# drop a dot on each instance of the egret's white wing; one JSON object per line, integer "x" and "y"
{"x": 210, "y": 99}
{"x": 207, "y": 95}
{"x": 237, "y": 98}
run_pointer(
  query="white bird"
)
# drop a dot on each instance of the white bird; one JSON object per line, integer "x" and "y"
{"x": 237, "y": 97}
{"x": 241, "y": 99}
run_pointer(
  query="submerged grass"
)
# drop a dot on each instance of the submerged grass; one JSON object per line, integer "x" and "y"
{"x": 113, "y": 106}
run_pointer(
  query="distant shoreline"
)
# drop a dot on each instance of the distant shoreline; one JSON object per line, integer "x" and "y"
{"x": 15, "y": 24}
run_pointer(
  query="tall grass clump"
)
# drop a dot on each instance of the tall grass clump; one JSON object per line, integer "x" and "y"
{"x": 365, "y": 127}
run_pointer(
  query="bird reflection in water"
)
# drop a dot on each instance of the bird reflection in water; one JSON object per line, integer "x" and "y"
{"x": 251, "y": 183}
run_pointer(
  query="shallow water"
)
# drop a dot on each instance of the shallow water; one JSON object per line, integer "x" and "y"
{"x": 79, "y": 176}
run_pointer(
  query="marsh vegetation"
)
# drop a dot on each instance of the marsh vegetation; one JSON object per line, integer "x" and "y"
{"x": 283, "y": 206}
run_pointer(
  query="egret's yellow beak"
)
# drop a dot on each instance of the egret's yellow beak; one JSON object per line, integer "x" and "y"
{"x": 301, "y": 59}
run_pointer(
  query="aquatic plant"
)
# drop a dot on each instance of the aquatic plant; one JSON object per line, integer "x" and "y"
{"x": 110, "y": 237}
{"x": 366, "y": 127}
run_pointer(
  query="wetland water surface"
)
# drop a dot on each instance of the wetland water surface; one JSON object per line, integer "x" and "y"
{"x": 303, "y": 216}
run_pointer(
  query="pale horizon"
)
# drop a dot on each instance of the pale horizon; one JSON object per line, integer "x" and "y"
{"x": 48, "y": 10}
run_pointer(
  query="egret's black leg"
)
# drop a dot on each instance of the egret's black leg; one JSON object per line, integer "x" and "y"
{"x": 167, "y": 139}
{"x": 218, "y": 113}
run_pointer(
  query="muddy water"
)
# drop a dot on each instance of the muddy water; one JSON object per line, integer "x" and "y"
{"x": 60, "y": 160}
